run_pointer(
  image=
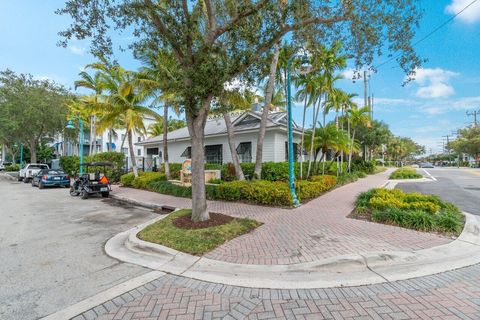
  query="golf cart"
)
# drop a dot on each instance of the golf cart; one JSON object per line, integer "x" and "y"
{"x": 93, "y": 181}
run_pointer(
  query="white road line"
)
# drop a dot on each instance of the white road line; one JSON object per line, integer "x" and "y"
{"x": 428, "y": 173}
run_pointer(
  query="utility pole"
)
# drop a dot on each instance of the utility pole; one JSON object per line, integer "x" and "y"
{"x": 447, "y": 147}
{"x": 365, "y": 93}
{"x": 474, "y": 114}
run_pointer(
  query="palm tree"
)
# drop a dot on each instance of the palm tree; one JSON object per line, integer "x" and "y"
{"x": 356, "y": 117}
{"x": 305, "y": 93}
{"x": 152, "y": 81}
{"x": 127, "y": 101}
{"x": 96, "y": 84}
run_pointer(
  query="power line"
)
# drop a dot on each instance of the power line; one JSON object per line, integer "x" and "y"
{"x": 430, "y": 33}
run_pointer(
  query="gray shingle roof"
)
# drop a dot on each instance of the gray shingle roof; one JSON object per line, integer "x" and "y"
{"x": 216, "y": 126}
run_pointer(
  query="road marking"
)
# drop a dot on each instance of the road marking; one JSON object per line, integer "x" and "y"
{"x": 428, "y": 173}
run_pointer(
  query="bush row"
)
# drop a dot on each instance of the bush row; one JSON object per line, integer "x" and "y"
{"x": 275, "y": 193}
{"x": 12, "y": 168}
{"x": 410, "y": 210}
{"x": 405, "y": 173}
{"x": 273, "y": 171}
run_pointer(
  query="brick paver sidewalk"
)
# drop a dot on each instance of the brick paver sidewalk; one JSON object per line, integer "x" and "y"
{"x": 450, "y": 295}
{"x": 318, "y": 229}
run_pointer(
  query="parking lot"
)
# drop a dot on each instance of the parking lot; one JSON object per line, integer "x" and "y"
{"x": 51, "y": 248}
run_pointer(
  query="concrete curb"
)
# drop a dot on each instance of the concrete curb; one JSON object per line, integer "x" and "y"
{"x": 348, "y": 270}
{"x": 142, "y": 204}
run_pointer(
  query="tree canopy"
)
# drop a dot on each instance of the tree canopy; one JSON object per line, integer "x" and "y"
{"x": 31, "y": 110}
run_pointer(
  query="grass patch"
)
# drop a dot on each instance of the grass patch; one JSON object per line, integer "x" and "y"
{"x": 409, "y": 210}
{"x": 194, "y": 241}
{"x": 405, "y": 173}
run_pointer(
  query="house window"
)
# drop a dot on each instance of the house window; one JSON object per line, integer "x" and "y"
{"x": 187, "y": 153}
{"x": 296, "y": 151}
{"x": 139, "y": 152}
{"x": 125, "y": 150}
{"x": 152, "y": 151}
{"x": 139, "y": 139}
{"x": 213, "y": 154}
{"x": 244, "y": 151}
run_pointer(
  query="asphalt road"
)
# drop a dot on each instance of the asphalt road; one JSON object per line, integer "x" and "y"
{"x": 459, "y": 186}
{"x": 51, "y": 248}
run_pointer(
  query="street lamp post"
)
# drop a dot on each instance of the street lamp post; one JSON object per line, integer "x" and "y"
{"x": 305, "y": 68}
{"x": 21, "y": 154}
{"x": 81, "y": 142}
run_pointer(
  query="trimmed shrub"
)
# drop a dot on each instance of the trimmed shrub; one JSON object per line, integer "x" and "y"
{"x": 307, "y": 190}
{"x": 360, "y": 165}
{"x": 12, "y": 168}
{"x": 405, "y": 173}
{"x": 410, "y": 210}
{"x": 166, "y": 187}
{"x": 70, "y": 164}
{"x": 145, "y": 178}
{"x": 127, "y": 179}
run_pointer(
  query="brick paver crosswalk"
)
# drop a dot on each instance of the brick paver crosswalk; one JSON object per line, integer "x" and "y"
{"x": 450, "y": 295}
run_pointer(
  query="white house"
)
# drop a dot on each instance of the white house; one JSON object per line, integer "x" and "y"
{"x": 246, "y": 126}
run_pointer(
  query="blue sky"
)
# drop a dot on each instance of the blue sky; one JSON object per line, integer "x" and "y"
{"x": 432, "y": 106}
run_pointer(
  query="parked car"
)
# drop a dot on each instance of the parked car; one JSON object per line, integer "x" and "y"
{"x": 4, "y": 165}
{"x": 51, "y": 178}
{"x": 426, "y": 165}
{"x": 30, "y": 170}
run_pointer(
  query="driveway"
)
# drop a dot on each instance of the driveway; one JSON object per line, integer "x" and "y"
{"x": 51, "y": 248}
{"x": 459, "y": 186}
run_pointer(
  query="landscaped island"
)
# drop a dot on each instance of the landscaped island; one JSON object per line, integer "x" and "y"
{"x": 177, "y": 231}
{"x": 405, "y": 173}
{"x": 409, "y": 210}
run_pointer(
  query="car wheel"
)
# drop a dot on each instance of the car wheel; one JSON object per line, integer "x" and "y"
{"x": 25, "y": 180}
{"x": 84, "y": 194}
{"x": 19, "y": 178}
{"x": 105, "y": 194}
{"x": 40, "y": 185}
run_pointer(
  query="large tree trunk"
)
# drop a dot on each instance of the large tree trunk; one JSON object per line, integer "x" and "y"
{"x": 231, "y": 143}
{"x": 303, "y": 136}
{"x": 32, "y": 146}
{"x": 165, "y": 138}
{"x": 132, "y": 153}
{"x": 263, "y": 123}
{"x": 196, "y": 126}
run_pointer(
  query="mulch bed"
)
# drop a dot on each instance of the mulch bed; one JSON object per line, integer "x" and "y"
{"x": 216, "y": 219}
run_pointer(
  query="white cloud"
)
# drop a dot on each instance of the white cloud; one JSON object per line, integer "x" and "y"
{"x": 435, "y": 90}
{"x": 433, "y": 83}
{"x": 77, "y": 50}
{"x": 470, "y": 15}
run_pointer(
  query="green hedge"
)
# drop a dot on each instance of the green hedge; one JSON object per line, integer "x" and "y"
{"x": 410, "y": 210}
{"x": 275, "y": 193}
{"x": 405, "y": 173}
{"x": 360, "y": 165}
{"x": 12, "y": 168}
{"x": 273, "y": 171}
